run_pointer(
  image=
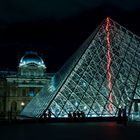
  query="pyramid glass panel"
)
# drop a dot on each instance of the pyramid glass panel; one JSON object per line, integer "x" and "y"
{"x": 102, "y": 76}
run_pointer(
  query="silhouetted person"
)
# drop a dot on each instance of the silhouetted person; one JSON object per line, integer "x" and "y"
{"x": 119, "y": 112}
{"x": 78, "y": 114}
{"x": 69, "y": 115}
{"x": 124, "y": 115}
{"x": 42, "y": 116}
{"x": 82, "y": 114}
{"x": 124, "y": 112}
{"x": 119, "y": 115}
{"x": 49, "y": 114}
{"x": 74, "y": 114}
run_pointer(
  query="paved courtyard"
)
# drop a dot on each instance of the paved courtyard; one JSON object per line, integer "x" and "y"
{"x": 70, "y": 131}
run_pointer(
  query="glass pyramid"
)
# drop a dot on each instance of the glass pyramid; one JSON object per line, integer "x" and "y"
{"x": 102, "y": 76}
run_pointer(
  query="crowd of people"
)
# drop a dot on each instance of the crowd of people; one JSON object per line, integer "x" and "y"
{"x": 76, "y": 114}
{"x": 79, "y": 115}
{"x": 46, "y": 115}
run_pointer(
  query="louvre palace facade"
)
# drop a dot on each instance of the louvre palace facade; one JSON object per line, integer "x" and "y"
{"x": 17, "y": 88}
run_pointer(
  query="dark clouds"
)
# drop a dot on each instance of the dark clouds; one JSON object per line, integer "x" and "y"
{"x": 127, "y": 5}
{"x": 21, "y": 10}
{"x": 28, "y": 10}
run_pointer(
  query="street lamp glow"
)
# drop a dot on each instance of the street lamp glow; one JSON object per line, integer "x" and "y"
{"x": 22, "y": 103}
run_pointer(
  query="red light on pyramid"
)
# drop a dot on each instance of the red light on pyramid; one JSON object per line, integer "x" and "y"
{"x": 107, "y": 28}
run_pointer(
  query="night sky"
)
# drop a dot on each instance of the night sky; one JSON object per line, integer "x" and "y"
{"x": 56, "y": 28}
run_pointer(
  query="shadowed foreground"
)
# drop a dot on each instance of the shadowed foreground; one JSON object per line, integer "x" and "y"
{"x": 70, "y": 131}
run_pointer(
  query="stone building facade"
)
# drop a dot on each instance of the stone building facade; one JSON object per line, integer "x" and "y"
{"x": 17, "y": 88}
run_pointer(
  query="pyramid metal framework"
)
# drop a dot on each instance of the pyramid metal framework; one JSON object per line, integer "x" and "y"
{"x": 102, "y": 75}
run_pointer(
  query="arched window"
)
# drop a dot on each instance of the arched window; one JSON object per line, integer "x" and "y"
{"x": 13, "y": 106}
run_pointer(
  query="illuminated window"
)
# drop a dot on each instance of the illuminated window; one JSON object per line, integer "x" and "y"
{"x": 31, "y": 92}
